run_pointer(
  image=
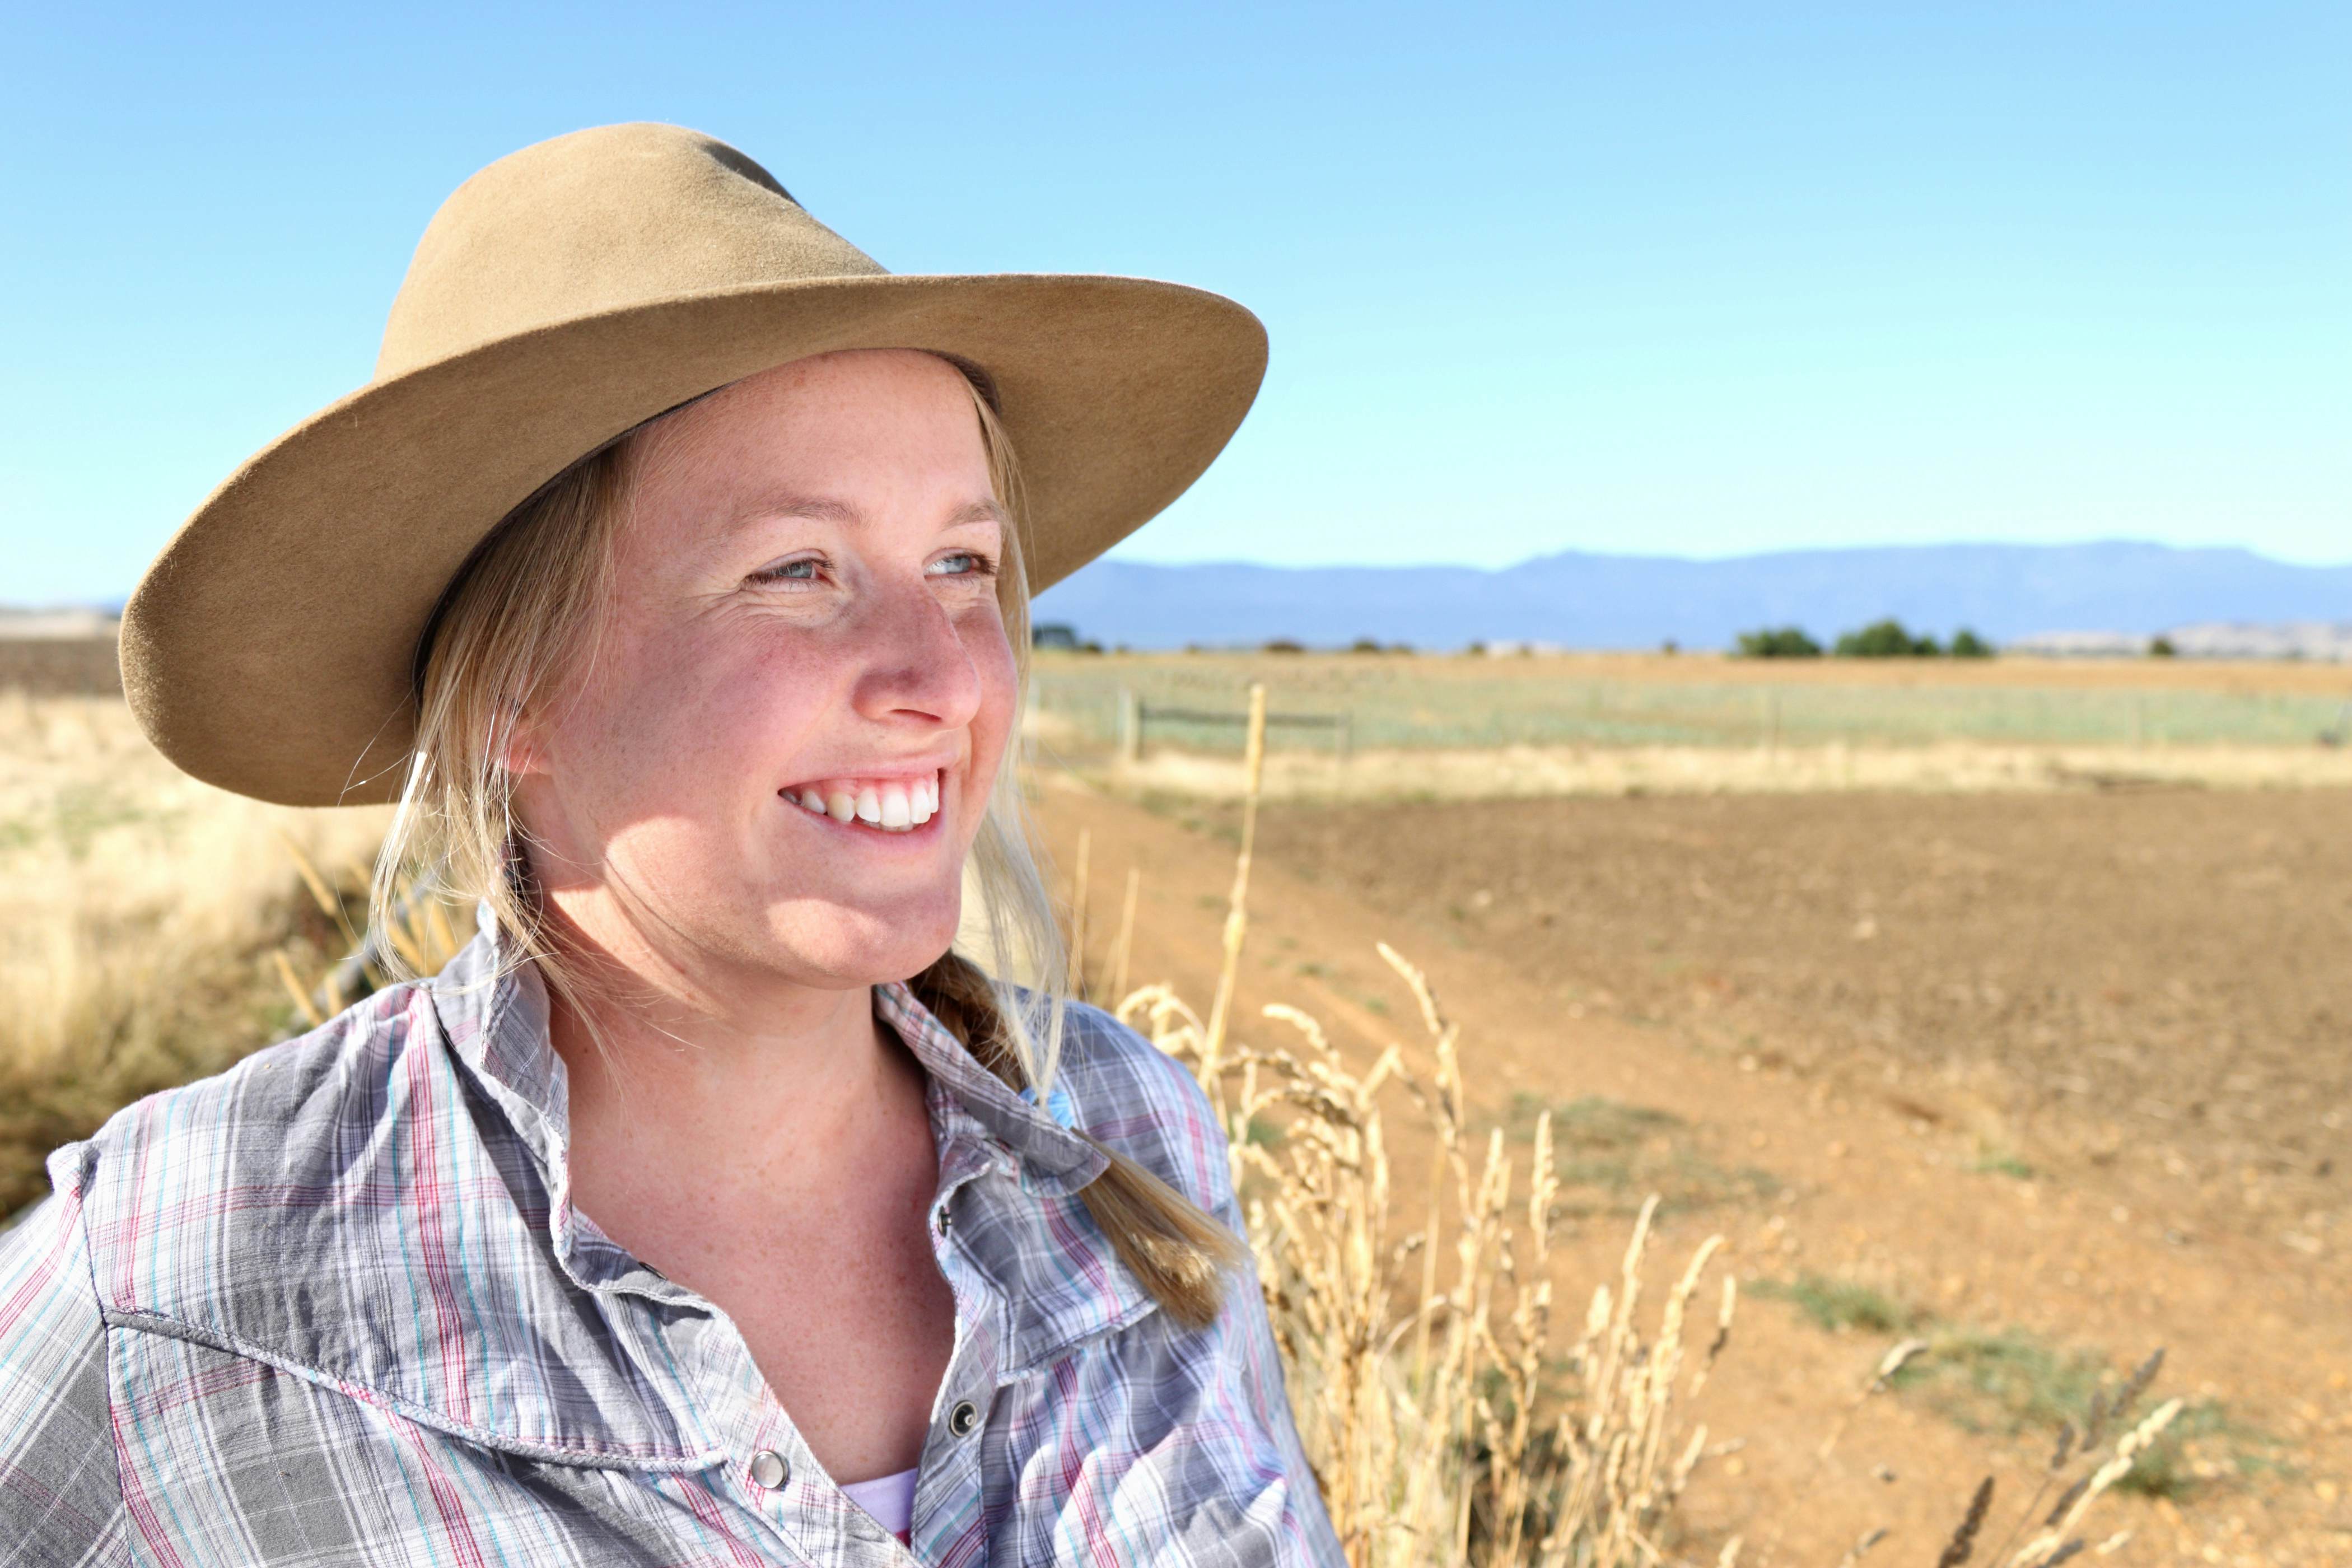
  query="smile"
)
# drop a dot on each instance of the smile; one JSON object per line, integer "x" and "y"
{"x": 898, "y": 805}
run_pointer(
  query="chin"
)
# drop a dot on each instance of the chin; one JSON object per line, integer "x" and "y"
{"x": 869, "y": 947}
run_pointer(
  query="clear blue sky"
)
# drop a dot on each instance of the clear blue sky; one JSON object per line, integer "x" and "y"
{"x": 1672, "y": 278}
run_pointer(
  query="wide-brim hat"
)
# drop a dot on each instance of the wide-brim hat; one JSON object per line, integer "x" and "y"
{"x": 561, "y": 296}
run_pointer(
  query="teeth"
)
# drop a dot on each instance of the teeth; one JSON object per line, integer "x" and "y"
{"x": 892, "y": 806}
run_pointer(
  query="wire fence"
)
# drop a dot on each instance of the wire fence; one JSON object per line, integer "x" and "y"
{"x": 1388, "y": 704}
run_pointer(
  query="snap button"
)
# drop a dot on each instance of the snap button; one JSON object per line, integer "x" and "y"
{"x": 963, "y": 1418}
{"x": 769, "y": 1469}
{"x": 943, "y": 1222}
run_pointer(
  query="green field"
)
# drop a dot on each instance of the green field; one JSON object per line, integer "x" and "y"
{"x": 1447, "y": 702}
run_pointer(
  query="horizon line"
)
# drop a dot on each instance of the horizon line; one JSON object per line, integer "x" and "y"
{"x": 2050, "y": 547}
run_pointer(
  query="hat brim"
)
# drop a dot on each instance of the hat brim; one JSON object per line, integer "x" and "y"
{"x": 269, "y": 647}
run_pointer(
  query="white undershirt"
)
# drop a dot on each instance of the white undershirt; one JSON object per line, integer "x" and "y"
{"x": 889, "y": 1499}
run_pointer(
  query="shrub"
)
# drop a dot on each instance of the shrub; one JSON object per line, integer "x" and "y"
{"x": 1282, "y": 645}
{"x": 2161, "y": 647}
{"x": 1778, "y": 642}
{"x": 1885, "y": 640}
{"x": 1966, "y": 644}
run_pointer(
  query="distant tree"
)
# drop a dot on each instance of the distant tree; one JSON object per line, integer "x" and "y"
{"x": 1778, "y": 642}
{"x": 1282, "y": 645}
{"x": 1885, "y": 640}
{"x": 1054, "y": 634}
{"x": 1966, "y": 644}
{"x": 1400, "y": 648}
{"x": 1365, "y": 645}
{"x": 2161, "y": 647}
{"x": 1670, "y": 647}
{"x": 1476, "y": 650}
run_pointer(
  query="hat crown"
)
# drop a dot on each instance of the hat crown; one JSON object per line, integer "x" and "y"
{"x": 600, "y": 220}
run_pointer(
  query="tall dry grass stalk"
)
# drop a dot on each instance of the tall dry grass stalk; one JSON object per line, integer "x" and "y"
{"x": 1436, "y": 1431}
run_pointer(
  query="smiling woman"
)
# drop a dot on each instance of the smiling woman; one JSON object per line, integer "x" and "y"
{"x": 709, "y": 1206}
{"x": 787, "y": 593}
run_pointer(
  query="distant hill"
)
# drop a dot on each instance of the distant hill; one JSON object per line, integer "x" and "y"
{"x": 1590, "y": 601}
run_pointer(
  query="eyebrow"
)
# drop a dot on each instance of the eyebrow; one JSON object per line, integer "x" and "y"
{"x": 824, "y": 509}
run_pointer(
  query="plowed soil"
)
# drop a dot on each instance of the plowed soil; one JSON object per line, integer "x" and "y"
{"x": 2060, "y": 1073}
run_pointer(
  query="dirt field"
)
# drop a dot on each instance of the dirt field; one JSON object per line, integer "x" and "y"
{"x": 2154, "y": 979}
{"x": 60, "y": 667}
{"x": 2049, "y": 1080}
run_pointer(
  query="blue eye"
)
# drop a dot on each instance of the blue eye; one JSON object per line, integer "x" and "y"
{"x": 802, "y": 571}
{"x": 962, "y": 564}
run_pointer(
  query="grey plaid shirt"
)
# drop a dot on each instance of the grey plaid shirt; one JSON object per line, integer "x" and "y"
{"x": 334, "y": 1306}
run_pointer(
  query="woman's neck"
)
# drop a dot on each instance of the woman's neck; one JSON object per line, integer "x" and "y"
{"x": 779, "y": 1162}
{"x": 688, "y": 1074}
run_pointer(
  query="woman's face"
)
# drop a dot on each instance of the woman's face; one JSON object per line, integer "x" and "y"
{"x": 775, "y": 762}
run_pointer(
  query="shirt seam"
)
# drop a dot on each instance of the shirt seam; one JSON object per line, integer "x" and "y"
{"x": 650, "y": 1457}
{"x": 106, "y": 1351}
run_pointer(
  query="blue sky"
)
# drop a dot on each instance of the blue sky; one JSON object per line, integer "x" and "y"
{"x": 1665, "y": 277}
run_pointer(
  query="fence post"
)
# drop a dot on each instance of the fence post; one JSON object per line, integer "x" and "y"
{"x": 1130, "y": 725}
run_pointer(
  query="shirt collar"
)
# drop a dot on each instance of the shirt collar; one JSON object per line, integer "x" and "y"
{"x": 493, "y": 1007}
{"x": 1054, "y": 1276}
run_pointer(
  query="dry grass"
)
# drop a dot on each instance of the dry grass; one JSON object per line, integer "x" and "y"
{"x": 142, "y": 909}
{"x": 1287, "y": 673}
{"x": 1509, "y": 773}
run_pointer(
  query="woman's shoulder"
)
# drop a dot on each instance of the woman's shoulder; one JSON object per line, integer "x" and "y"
{"x": 334, "y": 1070}
{"x": 167, "y": 1172}
{"x": 1128, "y": 1095}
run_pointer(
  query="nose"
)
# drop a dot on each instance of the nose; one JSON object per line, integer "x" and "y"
{"x": 917, "y": 668}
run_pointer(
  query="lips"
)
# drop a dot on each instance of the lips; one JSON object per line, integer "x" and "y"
{"x": 896, "y": 803}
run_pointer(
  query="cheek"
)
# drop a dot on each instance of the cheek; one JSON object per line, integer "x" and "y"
{"x": 688, "y": 733}
{"x": 999, "y": 695}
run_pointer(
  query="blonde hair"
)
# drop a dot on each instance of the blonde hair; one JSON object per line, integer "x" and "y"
{"x": 520, "y": 620}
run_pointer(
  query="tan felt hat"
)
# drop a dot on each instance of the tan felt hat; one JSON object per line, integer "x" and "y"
{"x": 561, "y": 296}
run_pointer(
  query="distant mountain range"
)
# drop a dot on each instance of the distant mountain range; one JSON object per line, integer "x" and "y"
{"x": 2004, "y": 592}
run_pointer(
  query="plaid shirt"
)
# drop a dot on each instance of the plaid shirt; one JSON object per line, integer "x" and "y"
{"x": 334, "y": 1306}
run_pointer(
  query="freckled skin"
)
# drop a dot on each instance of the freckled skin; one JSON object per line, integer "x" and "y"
{"x": 794, "y": 599}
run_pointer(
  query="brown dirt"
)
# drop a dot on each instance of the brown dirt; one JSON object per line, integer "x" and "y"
{"x": 60, "y": 667}
{"x": 2071, "y": 1065}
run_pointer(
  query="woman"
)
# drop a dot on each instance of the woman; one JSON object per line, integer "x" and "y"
{"x": 672, "y": 573}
